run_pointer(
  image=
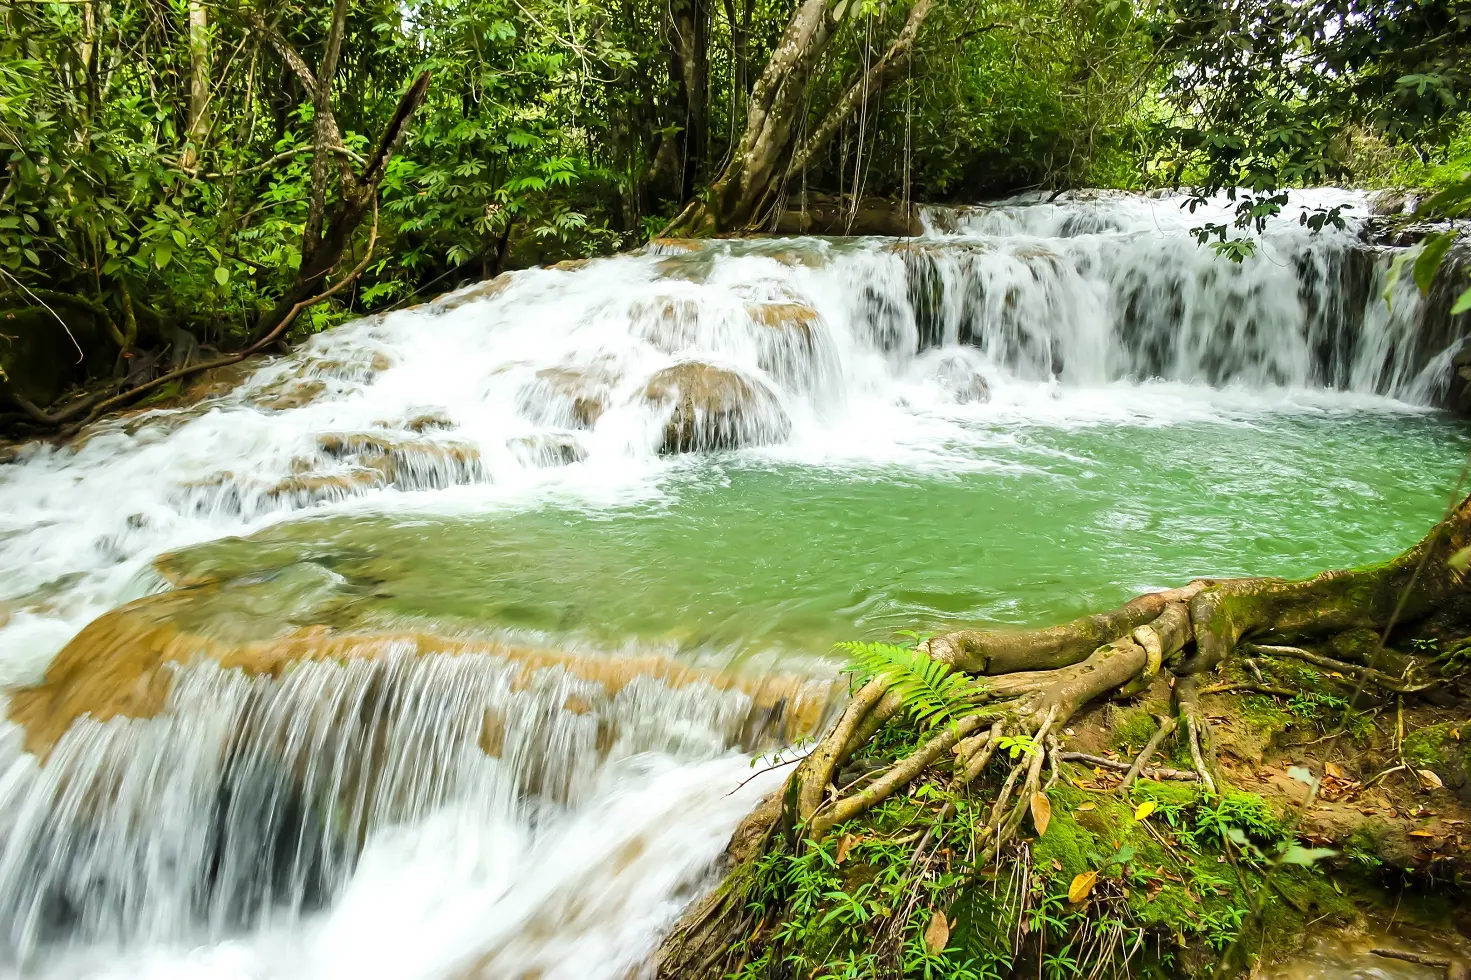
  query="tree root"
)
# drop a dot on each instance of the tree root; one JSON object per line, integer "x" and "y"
{"x": 1036, "y": 681}
{"x": 1166, "y": 726}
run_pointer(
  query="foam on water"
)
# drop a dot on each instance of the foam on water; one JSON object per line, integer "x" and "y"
{"x": 567, "y": 384}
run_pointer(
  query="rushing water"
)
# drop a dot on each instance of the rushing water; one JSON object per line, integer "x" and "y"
{"x": 1031, "y": 411}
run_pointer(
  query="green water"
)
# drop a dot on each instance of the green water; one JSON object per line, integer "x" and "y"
{"x": 734, "y": 556}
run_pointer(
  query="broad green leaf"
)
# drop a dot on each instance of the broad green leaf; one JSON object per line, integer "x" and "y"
{"x": 179, "y": 237}
{"x": 222, "y": 275}
{"x": 1432, "y": 254}
{"x": 1392, "y": 277}
{"x": 1305, "y": 856}
{"x": 1462, "y": 304}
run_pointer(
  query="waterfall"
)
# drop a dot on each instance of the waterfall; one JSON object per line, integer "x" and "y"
{"x": 429, "y": 813}
{"x": 248, "y": 801}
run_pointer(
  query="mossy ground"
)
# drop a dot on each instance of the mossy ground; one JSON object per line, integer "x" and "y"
{"x": 1180, "y": 887}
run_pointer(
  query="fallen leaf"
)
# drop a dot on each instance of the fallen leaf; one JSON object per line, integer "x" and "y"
{"x": 1144, "y": 809}
{"x": 845, "y": 844}
{"x": 937, "y": 936}
{"x": 1085, "y": 807}
{"x": 1056, "y": 865}
{"x": 1041, "y": 812}
{"x": 1421, "y": 833}
{"x": 1429, "y": 779}
{"x": 1332, "y": 770}
{"x": 1082, "y": 887}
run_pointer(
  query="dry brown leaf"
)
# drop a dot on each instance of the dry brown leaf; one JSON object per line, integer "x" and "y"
{"x": 1332, "y": 770}
{"x": 1041, "y": 812}
{"x": 845, "y": 844}
{"x": 1082, "y": 887}
{"x": 1429, "y": 779}
{"x": 1421, "y": 833}
{"x": 1056, "y": 865}
{"x": 937, "y": 936}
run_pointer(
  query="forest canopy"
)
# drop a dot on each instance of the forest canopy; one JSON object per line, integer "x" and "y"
{"x": 184, "y": 176}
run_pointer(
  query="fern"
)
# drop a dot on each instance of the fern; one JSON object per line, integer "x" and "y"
{"x": 930, "y": 691}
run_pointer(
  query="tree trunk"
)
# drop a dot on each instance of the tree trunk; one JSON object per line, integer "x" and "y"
{"x": 746, "y": 189}
{"x": 689, "y": 67}
{"x": 198, "y": 82}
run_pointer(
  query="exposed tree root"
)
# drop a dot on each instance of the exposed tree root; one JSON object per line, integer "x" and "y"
{"x": 1344, "y": 624}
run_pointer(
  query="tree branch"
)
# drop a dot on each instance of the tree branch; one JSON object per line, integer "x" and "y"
{"x": 868, "y": 84}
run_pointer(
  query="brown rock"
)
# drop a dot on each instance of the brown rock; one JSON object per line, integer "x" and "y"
{"x": 712, "y": 408}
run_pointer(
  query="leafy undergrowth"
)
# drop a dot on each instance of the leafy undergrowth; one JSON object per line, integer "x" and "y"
{"x": 1160, "y": 880}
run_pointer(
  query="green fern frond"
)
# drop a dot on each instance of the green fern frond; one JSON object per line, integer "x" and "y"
{"x": 929, "y": 691}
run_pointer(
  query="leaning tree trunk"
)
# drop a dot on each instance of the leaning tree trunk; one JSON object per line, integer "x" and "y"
{"x": 1347, "y": 625}
{"x": 769, "y": 149}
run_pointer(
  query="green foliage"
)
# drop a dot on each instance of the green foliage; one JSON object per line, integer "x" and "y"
{"x": 930, "y": 691}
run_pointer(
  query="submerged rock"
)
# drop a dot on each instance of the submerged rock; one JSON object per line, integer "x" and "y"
{"x": 713, "y": 408}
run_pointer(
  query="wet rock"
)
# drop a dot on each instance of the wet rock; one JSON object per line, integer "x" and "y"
{"x": 547, "y": 449}
{"x": 569, "y": 397}
{"x": 713, "y": 408}
{"x": 472, "y": 294}
{"x": 291, "y": 393}
{"x": 964, "y": 382}
{"x": 408, "y": 464}
{"x": 675, "y": 246}
{"x": 670, "y": 323}
{"x": 829, "y": 215}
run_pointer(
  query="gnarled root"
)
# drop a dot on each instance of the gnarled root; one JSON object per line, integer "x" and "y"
{"x": 1032, "y": 682}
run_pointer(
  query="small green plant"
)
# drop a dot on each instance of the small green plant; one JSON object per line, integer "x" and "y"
{"x": 1018, "y": 745}
{"x": 930, "y": 691}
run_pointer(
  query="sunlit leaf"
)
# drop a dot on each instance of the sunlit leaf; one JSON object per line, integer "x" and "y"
{"x": 1082, "y": 887}
{"x": 1462, "y": 304}
{"x": 1431, "y": 255}
{"x": 1143, "y": 810}
{"x": 1041, "y": 812}
{"x": 937, "y": 935}
{"x": 1305, "y": 856}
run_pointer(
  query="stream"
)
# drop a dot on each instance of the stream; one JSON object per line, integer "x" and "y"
{"x": 601, "y": 526}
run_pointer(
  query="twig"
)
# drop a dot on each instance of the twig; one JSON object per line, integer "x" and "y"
{"x": 1118, "y": 765}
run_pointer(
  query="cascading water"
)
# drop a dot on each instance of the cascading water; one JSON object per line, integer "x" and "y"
{"x": 426, "y": 812}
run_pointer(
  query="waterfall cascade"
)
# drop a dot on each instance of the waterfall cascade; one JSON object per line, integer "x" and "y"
{"x": 326, "y": 809}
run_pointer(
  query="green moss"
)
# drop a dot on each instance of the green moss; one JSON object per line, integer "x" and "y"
{"x": 1131, "y": 728}
{"x": 1426, "y": 747}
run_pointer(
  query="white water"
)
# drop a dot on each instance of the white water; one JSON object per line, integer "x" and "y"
{"x": 1067, "y": 314}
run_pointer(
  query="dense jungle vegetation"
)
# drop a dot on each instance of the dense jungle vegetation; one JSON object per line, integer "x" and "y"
{"x": 184, "y": 178}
